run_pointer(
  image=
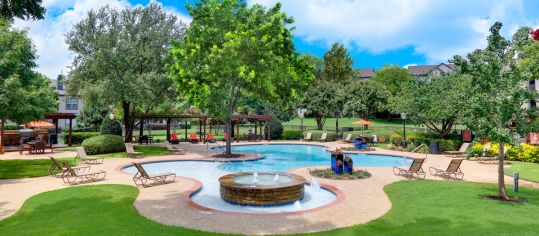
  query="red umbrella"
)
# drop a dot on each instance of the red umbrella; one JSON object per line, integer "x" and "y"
{"x": 38, "y": 124}
{"x": 363, "y": 122}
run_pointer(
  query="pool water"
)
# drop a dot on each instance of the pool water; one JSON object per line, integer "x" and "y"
{"x": 278, "y": 157}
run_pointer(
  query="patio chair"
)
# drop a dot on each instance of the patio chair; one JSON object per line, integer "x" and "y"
{"x": 175, "y": 150}
{"x": 70, "y": 176}
{"x": 131, "y": 152}
{"x": 210, "y": 138}
{"x": 324, "y": 137}
{"x": 57, "y": 168}
{"x": 348, "y": 138}
{"x": 83, "y": 157}
{"x": 193, "y": 138}
{"x": 415, "y": 168}
{"x": 452, "y": 169}
{"x": 174, "y": 139}
{"x": 308, "y": 137}
{"x": 142, "y": 177}
{"x": 460, "y": 152}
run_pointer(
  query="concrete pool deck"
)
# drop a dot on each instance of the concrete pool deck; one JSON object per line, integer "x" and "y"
{"x": 364, "y": 200}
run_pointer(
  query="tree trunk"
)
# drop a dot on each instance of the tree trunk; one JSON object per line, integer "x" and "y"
{"x": 501, "y": 176}
{"x": 2, "y": 133}
{"x": 235, "y": 92}
{"x": 127, "y": 122}
{"x": 319, "y": 122}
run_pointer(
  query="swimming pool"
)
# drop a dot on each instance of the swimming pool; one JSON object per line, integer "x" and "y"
{"x": 278, "y": 157}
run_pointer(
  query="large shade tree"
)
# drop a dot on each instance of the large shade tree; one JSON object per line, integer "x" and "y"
{"x": 496, "y": 95}
{"x": 436, "y": 104}
{"x": 231, "y": 50}
{"x": 338, "y": 70}
{"x": 120, "y": 59}
{"x": 364, "y": 98}
{"x": 24, "y": 9}
{"x": 25, "y": 95}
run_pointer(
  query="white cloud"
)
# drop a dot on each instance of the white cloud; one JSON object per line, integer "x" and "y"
{"x": 407, "y": 65}
{"x": 436, "y": 29}
{"x": 48, "y": 35}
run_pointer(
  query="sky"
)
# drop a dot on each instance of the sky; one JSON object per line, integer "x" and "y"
{"x": 376, "y": 32}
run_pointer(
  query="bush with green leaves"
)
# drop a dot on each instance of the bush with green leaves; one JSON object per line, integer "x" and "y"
{"x": 103, "y": 144}
{"x": 79, "y": 137}
{"x": 276, "y": 128}
{"x": 111, "y": 127}
{"x": 10, "y": 126}
{"x": 317, "y": 134}
{"x": 396, "y": 140}
{"x": 291, "y": 134}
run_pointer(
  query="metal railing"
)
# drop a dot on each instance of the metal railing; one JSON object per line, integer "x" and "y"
{"x": 419, "y": 147}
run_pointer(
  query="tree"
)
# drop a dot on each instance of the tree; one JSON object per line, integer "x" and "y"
{"x": 120, "y": 59}
{"x": 529, "y": 62}
{"x": 338, "y": 69}
{"x": 231, "y": 50}
{"x": 364, "y": 98}
{"x": 436, "y": 104}
{"x": 25, "y": 95}
{"x": 92, "y": 116}
{"x": 496, "y": 94}
{"x": 27, "y": 9}
{"x": 392, "y": 77}
{"x": 318, "y": 101}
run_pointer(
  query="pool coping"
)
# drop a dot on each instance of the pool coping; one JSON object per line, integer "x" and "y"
{"x": 340, "y": 196}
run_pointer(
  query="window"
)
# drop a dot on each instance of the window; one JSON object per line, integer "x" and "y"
{"x": 533, "y": 103}
{"x": 72, "y": 104}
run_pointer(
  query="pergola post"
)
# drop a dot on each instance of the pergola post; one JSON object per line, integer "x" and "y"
{"x": 141, "y": 130}
{"x": 205, "y": 138}
{"x": 70, "y": 131}
{"x": 168, "y": 129}
{"x": 256, "y": 127}
{"x": 200, "y": 130}
{"x": 269, "y": 128}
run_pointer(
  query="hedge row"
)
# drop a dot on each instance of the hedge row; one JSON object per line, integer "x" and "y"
{"x": 316, "y": 134}
{"x": 79, "y": 137}
{"x": 103, "y": 144}
{"x": 291, "y": 134}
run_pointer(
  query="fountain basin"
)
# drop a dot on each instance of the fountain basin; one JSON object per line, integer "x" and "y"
{"x": 262, "y": 189}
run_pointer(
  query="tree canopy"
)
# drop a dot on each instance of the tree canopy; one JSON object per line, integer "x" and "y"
{"x": 232, "y": 50}
{"x": 120, "y": 59}
{"x": 392, "y": 78}
{"x": 338, "y": 64}
{"x": 364, "y": 98}
{"x": 496, "y": 94}
{"x": 27, "y": 9}
{"x": 436, "y": 104}
{"x": 25, "y": 95}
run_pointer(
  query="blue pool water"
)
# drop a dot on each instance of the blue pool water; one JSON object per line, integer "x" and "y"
{"x": 278, "y": 157}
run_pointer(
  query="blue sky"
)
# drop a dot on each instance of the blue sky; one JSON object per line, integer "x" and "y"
{"x": 376, "y": 32}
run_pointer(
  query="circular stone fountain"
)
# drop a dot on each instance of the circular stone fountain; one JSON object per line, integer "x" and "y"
{"x": 262, "y": 189}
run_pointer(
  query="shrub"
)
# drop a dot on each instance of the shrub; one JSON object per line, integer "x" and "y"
{"x": 476, "y": 149}
{"x": 111, "y": 127}
{"x": 527, "y": 153}
{"x": 10, "y": 126}
{"x": 79, "y": 137}
{"x": 316, "y": 134}
{"x": 396, "y": 140}
{"x": 103, "y": 144}
{"x": 329, "y": 174}
{"x": 276, "y": 128}
{"x": 291, "y": 134}
{"x": 183, "y": 125}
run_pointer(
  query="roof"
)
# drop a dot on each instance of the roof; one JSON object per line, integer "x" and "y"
{"x": 365, "y": 73}
{"x": 425, "y": 70}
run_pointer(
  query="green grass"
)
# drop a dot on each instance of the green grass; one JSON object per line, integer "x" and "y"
{"x": 526, "y": 170}
{"x": 17, "y": 169}
{"x": 347, "y": 122}
{"x": 86, "y": 210}
{"x": 418, "y": 208}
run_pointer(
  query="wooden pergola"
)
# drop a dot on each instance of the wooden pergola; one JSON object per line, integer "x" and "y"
{"x": 62, "y": 116}
{"x": 202, "y": 123}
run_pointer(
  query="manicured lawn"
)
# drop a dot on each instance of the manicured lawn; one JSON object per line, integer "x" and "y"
{"x": 17, "y": 169}
{"x": 419, "y": 208}
{"x": 526, "y": 170}
{"x": 347, "y": 122}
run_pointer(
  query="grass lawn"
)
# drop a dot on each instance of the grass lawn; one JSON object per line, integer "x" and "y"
{"x": 526, "y": 170}
{"x": 17, "y": 169}
{"x": 419, "y": 208}
{"x": 347, "y": 122}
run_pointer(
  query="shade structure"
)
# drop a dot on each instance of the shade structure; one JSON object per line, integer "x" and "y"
{"x": 363, "y": 122}
{"x": 38, "y": 124}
